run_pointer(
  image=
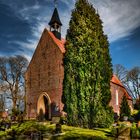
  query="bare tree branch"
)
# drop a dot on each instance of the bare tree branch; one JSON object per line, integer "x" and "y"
{"x": 12, "y": 70}
{"x": 120, "y": 71}
{"x": 130, "y": 79}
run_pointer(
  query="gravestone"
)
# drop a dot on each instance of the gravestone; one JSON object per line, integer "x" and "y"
{"x": 124, "y": 133}
{"x": 55, "y": 120}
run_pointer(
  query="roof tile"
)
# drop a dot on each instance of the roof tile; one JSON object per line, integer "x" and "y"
{"x": 116, "y": 81}
{"x": 59, "y": 43}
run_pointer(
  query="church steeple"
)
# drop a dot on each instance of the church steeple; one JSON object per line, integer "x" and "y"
{"x": 55, "y": 24}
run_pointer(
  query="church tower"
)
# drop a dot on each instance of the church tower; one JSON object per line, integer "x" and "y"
{"x": 55, "y": 24}
{"x": 45, "y": 73}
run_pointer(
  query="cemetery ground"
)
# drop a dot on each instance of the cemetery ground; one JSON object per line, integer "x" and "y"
{"x": 28, "y": 130}
{"x": 47, "y": 131}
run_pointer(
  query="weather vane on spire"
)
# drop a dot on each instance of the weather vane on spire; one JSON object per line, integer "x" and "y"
{"x": 55, "y": 3}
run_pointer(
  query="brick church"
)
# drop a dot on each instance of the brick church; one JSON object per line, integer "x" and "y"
{"x": 45, "y": 73}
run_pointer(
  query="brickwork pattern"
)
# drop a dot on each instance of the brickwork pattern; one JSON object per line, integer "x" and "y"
{"x": 121, "y": 92}
{"x": 44, "y": 74}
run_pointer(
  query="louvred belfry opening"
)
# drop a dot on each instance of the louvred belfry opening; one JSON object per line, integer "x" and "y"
{"x": 55, "y": 24}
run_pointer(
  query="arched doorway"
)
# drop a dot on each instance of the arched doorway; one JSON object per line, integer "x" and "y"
{"x": 44, "y": 107}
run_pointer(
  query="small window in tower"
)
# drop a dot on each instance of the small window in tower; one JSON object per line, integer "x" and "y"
{"x": 39, "y": 79}
{"x": 49, "y": 73}
{"x": 30, "y": 81}
{"x": 48, "y": 82}
{"x": 44, "y": 55}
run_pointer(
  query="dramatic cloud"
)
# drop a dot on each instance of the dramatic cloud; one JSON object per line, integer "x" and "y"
{"x": 24, "y": 21}
{"x": 120, "y": 17}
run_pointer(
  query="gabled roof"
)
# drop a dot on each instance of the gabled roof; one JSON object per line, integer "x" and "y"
{"x": 55, "y": 18}
{"x": 116, "y": 81}
{"x": 59, "y": 43}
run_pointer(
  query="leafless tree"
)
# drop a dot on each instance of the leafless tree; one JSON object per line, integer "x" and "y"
{"x": 133, "y": 82}
{"x": 2, "y": 106}
{"x": 120, "y": 71}
{"x": 129, "y": 78}
{"x": 12, "y": 71}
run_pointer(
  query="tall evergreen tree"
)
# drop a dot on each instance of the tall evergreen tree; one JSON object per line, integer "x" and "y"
{"x": 124, "y": 108}
{"x": 87, "y": 68}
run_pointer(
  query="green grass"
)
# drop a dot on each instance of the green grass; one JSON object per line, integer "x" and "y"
{"x": 68, "y": 132}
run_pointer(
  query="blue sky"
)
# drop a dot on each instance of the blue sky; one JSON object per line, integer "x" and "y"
{"x": 22, "y": 22}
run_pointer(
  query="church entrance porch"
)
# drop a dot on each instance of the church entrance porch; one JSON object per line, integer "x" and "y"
{"x": 44, "y": 107}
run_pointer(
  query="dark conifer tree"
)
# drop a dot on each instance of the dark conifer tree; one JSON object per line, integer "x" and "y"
{"x": 124, "y": 108}
{"x": 87, "y": 68}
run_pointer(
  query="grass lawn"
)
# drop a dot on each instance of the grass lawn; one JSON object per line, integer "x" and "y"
{"x": 47, "y": 129}
{"x": 72, "y": 133}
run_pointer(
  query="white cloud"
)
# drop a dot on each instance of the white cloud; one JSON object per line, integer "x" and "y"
{"x": 28, "y": 56}
{"x": 27, "y": 47}
{"x": 69, "y": 3}
{"x": 30, "y": 44}
{"x": 37, "y": 31}
{"x": 120, "y": 17}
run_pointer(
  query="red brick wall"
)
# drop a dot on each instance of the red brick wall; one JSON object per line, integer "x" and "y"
{"x": 120, "y": 89}
{"x": 44, "y": 74}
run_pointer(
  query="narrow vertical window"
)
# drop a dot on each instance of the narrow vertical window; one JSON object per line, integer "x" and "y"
{"x": 30, "y": 80}
{"x": 49, "y": 70}
{"x": 39, "y": 78}
{"x": 117, "y": 98}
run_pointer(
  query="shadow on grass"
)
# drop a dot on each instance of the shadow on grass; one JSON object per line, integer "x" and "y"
{"x": 78, "y": 138}
{"x": 83, "y": 134}
{"x": 108, "y": 134}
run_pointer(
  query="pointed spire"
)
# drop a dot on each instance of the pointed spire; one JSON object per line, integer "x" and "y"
{"x": 55, "y": 18}
{"x": 55, "y": 23}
